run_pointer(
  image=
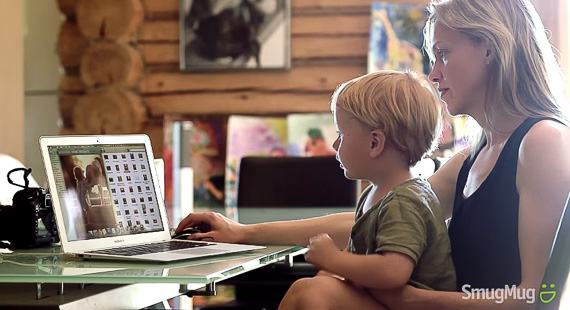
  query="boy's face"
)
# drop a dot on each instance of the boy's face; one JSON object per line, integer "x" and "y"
{"x": 352, "y": 144}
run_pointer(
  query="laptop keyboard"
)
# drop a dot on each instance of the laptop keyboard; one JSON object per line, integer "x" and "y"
{"x": 150, "y": 248}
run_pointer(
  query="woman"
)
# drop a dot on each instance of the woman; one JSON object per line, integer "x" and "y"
{"x": 505, "y": 194}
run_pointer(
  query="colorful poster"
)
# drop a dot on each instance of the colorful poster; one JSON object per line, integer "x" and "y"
{"x": 204, "y": 150}
{"x": 396, "y": 37}
{"x": 311, "y": 134}
{"x": 251, "y": 135}
{"x": 213, "y": 146}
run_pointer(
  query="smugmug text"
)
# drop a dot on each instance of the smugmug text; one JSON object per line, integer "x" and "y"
{"x": 499, "y": 295}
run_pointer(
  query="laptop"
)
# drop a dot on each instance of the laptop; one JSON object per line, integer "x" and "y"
{"x": 108, "y": 204}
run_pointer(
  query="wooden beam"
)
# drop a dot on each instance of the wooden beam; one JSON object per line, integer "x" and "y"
{"x": 238, "y": 103}
{"x": 161, "y": 30}
{"x": 330, "y": 24}
{"x": 301, "y": 48}
{"x": 161, "y": 6}
{"x": 169, "y": 30}
{"x": 329, "y": 47}
{"x": 302, "y": 4}
{"x": 319, "y": 78}
{"x": 160, "y": 53}
{"x": 173, "y": 6}
{"x": 169, "y": 6}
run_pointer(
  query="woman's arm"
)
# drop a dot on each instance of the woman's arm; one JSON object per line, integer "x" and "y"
{"x": 411, "y": 298}
{"x": 444, "y": 179}
{"x": 296, "y": 232}
{"x": 543, "y": 183}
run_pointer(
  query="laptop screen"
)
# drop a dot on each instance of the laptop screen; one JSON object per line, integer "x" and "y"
{"x": 105, "y": 190}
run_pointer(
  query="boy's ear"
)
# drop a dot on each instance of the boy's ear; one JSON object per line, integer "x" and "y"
{"x": 377, "y": 142}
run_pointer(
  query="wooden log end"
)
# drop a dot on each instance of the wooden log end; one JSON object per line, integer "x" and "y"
{"x": 67, "y": 103}
{"x": 111, "y": 63}
{"x": 71, "y": 83}
{"x": 109, "y": 111}
{"x": 109, "y": 19}
{"x": 71, "y": 44}
{"x": 67, "y": 7}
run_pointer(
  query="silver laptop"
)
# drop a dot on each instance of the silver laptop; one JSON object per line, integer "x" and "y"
{"x": 108, "y": 203}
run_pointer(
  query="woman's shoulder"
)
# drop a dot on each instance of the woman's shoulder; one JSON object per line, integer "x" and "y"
{"x": 546, "y": 135}
{"x": 543, "y": 155}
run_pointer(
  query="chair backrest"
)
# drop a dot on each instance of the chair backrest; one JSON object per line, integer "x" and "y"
{"x": 294, "y": 182}
{"x": 558, "y": 265}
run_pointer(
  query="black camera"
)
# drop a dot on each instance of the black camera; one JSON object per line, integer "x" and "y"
{"x": 29, "y": 222}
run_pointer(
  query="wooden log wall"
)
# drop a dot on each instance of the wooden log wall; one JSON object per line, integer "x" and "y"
{"x": 121, "y": 61}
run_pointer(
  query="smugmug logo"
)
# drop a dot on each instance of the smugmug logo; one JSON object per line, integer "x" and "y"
{"x": 547, "y": 296}
{"x": 499, "y": 295}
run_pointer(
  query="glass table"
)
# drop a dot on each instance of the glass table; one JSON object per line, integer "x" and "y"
{"x": 37, "y": 277}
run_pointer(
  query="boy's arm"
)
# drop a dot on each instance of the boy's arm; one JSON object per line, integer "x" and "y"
{"x": 400, "y": 238}
{"x": 298, "y": 232}
{"x": 387, "y": 270}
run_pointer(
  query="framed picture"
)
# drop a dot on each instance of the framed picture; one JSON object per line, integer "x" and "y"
{"x": 234, "y": 34}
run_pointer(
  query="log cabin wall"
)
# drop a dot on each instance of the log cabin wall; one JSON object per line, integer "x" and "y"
{"x": 121, "y": 61}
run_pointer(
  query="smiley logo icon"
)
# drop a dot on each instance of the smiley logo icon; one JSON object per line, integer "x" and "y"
{"x": 547, "y": 296}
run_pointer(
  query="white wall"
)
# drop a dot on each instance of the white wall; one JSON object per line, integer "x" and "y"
{"x": 11, "y": 79}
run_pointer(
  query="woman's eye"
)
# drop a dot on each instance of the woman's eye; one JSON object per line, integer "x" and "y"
{"x": 442, "y": 54}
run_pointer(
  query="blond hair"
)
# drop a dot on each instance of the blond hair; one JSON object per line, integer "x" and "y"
{"x": 524, "y": 75}
{"x": 404, "y": 105}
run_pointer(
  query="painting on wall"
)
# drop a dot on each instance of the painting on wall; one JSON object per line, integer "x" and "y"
{"x": 396, "y": 37}
{"x": 234, "y": 34}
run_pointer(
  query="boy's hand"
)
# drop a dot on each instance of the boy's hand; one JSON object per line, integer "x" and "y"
{"x": 321, "y": 250}
{"x": 215, "y": 227}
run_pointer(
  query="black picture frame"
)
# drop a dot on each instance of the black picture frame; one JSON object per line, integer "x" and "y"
{"x": 235, "y": 35}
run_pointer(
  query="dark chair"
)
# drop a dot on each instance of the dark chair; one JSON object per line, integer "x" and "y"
{"x": 294, "y": 182}
{"x": 285, "y": 182}
{"x": 558, "y": 265}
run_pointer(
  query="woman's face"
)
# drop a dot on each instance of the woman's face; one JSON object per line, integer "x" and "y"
{"x": 352, "y": 144}
{"x": 459, "y": 70}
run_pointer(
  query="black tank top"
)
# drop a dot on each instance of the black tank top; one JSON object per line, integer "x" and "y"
{"x": 484, "y": 228}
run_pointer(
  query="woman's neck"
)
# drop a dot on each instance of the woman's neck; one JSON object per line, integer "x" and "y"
{"x": 498, "y": 126}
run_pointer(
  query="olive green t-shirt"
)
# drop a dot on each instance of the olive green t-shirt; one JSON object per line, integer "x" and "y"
{"x": 408, "y": 220}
